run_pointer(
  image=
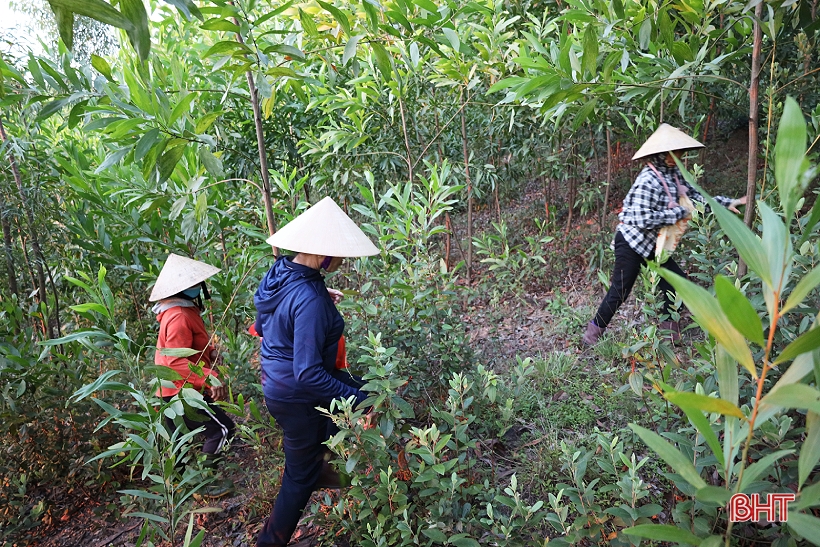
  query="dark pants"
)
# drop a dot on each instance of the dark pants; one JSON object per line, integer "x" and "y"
{"x": 304, "y": 430}
{"x": 627, "y": 268}
{"x": 219, "y": 428}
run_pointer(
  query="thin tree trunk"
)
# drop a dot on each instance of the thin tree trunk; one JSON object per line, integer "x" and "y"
{"x": 406, "y": 141}
{"x": 260, "y": 145}
{"x": 608, "y": 177}
{"x": 35, "y": 240}
{"x": 751, "y": 179}
{"x": 469, "y": 189}
{"x": 447, "y": 222}
{"x": 10, "y": 269}
{"x": 26, "y": 258}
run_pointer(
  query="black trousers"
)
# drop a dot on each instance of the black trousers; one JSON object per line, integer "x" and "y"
{"x": 627, "y": 268}
{"x": 219, "y": 428}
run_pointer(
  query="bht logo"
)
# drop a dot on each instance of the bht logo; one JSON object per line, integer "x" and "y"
{"x": 743, "y": 507}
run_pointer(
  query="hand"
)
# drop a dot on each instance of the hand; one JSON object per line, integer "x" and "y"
{"x": 735, "y": 202}
{"x": 335, "y": 295}
{"x": 219, "y": 393}
{"x": 673, "y": 205}
{"x": 369, "y": 420}
{"x": 216, "y": 357}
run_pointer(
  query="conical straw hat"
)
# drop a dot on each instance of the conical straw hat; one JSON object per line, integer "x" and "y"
{"x": 180, "y": 273}
{"x": 666, "y": 139}
{"x": 325, "y": 230}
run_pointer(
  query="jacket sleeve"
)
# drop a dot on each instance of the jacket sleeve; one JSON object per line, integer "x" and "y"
{"x": 179, "y": 334}
{"x": 645, "y": 207}
{"x": 310, "y": 327}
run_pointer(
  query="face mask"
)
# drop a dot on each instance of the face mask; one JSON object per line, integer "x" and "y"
{"x": 193, "y": 292}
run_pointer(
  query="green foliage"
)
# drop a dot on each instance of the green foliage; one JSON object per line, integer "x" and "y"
{"x": 730, "y": 319}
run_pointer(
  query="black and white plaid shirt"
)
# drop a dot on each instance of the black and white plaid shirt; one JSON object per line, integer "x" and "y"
{"x": 646, "y": 209}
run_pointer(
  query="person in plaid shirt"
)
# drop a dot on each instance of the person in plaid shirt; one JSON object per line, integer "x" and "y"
{"x": 650, "y": 204}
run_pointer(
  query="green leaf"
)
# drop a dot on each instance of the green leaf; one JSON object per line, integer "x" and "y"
{"x": 703, "y": 426}
{"x": 464, "y": 542}
{"x": 452, "y": 37}
{"x": 645, "y": 33}
{"x": 145, "y": 143}
{"x": 187, "y": 7}
{"x": 65, "y": 25}
{"x": 350, "y": 49}
{"x": 340, "y": 17}
{"x": 663, "y": 532}
{"x": 704, "y": 403}
{"x": 222, "y": 25}
{"x": 806, "y": 525}
{"x": 435, "y": 534}
{"x": 169, "y": 159}
{"x": 714, "y": 494}
{"x": 178, "y": 352}
{"x": 182, "y": 107}
{"x": 382, "y": 60}
{"x": 284, "y": 49}
{"x": 805, "y": 343}
{"x": 749, "y": 246}
{"x": 727, "y": 375}
{"x": 810, "y": 451}
{"x": 809, "y": 497}
{"x": 140, "y": 35}
{"x": 226, "y": 46}
{"x": 205, "y": 122}
{"x": 739, "y": 310}
{"x": 95, "y": 9}
{"x": 308, "y": 24}
{"x": 212, "y": 164}
{"x": 671, "y": 455}
{"x": 710, "y": 316}
{"x": 163, "y": 372}
{"x": 101, "y": 66}
{"x": 803, "y": 288}
{"x": 812, "y": 222}
{"x": 789, "y": 155}
{"x": 590, "y": 59}
{"x": 90, "y": 306}
{"x": 798, "y": 396}
{"x": 756, "y": 470}
{"x": 777, "y": 245}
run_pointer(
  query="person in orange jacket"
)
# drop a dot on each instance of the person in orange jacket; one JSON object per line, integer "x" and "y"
{"x": 178, "y": 294}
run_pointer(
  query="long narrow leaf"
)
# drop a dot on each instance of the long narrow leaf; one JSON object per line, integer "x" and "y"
{"x": 710, "y": 316}
{"x": 755, "y": 471}
{"x": 671, "y": 455}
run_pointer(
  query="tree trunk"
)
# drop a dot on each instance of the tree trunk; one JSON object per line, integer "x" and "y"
{"x": 39, "y": 260}
{"x": 751, "y": 179}
{"x": 469, "y": 189}
{"x": 608, "y": 177}
{"x": 260, "y": 145}
{"x": 7, "y": 248}
{"x": 406, "y": 142}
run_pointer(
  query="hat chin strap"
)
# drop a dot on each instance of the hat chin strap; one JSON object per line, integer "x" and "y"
{"x": 326, "y": 262}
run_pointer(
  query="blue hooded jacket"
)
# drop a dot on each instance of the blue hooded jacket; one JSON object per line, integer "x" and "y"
{"x": 300, "y": 327}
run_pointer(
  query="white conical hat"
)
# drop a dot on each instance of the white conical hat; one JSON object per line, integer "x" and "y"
{"x": 180, "y": 273}
{"x": 325, "y": 230}
{"x": 666, "y": 139}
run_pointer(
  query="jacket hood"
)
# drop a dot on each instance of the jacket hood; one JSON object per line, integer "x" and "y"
{"x": 283, "y": 277}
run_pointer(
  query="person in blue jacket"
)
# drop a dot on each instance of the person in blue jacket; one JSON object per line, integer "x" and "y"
{"x": 300, "y": 329}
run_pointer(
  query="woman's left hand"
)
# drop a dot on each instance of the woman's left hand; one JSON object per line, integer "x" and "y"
{"x": 335, "y": 295}
{"x": 735, "y": 202}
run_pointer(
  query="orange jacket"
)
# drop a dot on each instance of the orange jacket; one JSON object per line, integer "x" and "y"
{"x": 183, "y": 328}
